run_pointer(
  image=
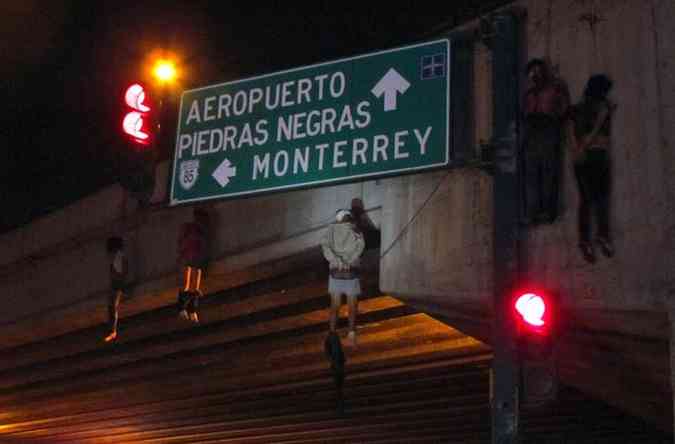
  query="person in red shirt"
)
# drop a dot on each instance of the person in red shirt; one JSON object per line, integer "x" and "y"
{"x": 193, "y": 259}
{"x": 545, "y": 110}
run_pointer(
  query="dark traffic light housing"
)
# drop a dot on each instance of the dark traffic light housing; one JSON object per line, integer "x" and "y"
{"x": 536, "y": 318}
{"x": 139, "y": 133}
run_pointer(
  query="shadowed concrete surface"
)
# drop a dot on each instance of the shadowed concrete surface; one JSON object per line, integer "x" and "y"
{"x": 617, "y": 314}
{"x": 254, "y": 371}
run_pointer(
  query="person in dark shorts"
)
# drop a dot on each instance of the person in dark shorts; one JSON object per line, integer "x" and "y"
{"x": 193, "y": 260}
{"x": 590, "y": 137}
{"x": 118, "y": 282}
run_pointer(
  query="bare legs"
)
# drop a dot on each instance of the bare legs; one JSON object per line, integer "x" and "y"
{"x": 334, "y": 310}
{"x": 336, "y": 302}
{"x": 113, "y": 314}
{"x": 353, "y": 302}
{"x": 192, "y": 277}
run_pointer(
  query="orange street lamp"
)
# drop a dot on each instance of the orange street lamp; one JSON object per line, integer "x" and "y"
{"x": 164, "y": 71}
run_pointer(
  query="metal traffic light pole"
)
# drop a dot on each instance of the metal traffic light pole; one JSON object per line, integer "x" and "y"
{"x": 503, "y": 40}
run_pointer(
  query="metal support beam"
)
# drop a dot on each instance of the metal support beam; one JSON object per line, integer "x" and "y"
{"x": 503, "y": 40}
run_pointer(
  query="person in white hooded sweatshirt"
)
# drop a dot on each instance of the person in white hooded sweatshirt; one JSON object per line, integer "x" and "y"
{"x": 342, "y": 246}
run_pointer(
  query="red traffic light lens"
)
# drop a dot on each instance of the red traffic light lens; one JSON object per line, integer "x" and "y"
{"x": 531, "y": 307}
{"x": 135, "y": 98}
{"x": 133, "y": 125}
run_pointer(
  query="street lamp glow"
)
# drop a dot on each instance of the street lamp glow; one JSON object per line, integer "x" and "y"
{"x": 164, "y": 71}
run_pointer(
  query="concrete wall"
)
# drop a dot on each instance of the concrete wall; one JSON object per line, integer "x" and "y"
{"x": 60, "y": 260}
{"x": 632, "y": 41}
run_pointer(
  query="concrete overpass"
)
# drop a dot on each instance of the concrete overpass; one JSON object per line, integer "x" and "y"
{"x": 254, "y": 371}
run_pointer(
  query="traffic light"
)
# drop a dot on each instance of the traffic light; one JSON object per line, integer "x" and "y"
{"x": 140, "y": 130}
{"x": 535, "y": 311}
{"x": 138, "y": 117}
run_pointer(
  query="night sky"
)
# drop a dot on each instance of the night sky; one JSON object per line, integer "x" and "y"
{"x": 64, "y": 65}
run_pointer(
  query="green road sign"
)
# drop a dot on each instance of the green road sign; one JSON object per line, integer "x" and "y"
{"x": 363, "y": 117}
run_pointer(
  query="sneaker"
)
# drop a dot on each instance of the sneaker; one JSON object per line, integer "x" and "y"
{"x": 587, "y": 251}
{"x": 184, "y": 314}
{"x": 111, "y": 337}
{"x": 194, "y": 317}
{"x": 351, "y": 337}
{"x": 605, "y": 246}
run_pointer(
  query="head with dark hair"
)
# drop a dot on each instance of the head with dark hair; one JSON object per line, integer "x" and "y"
{"x": 534, "y": 62}
{"x": 598, "y": 86}
{"x": 537, "y": 71}
{"x": 114, "y": 244}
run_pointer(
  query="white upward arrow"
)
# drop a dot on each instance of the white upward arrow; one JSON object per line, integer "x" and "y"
{"x": 390, "y": 85}
{"x": 224, "y": 172}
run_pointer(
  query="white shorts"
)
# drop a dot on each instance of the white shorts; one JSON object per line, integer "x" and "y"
{"x": 348, "y": 287}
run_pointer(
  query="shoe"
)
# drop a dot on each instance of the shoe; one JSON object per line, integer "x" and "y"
{"x": 184, "y": 314}
{"x": 605, "y": 246}
{"x": 111, "y": 337}
{"x": 587, "y": 251}
{"x": 194, "y": 317}
{"x": 351, "y": 337}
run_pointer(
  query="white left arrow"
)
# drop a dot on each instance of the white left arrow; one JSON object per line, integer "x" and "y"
{"x": 390, "y": 85}
{"x": 224, "y": 172}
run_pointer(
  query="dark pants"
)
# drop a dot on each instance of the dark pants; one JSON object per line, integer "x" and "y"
{"x": 593, "y": 182}
{"x": 541, "y": 166}
{"x": 188, "y": 301}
